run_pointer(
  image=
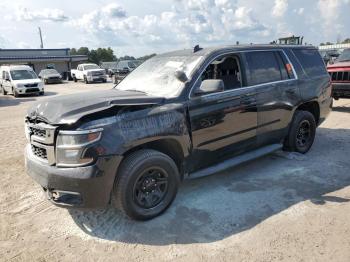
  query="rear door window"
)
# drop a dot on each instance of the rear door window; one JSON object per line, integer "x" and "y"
{"x": 263, "y": 67}
{"x": 311, "y": 61}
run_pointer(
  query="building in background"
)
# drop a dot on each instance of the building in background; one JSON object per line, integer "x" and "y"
{"x": 38, "y": 59}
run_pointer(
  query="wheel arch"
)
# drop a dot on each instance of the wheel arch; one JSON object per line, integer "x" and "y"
{"x": 311, "y": 106}
{"x": 169, "y": 146}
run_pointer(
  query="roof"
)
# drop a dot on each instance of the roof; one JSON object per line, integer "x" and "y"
{"x": 17, "y": 66}
{"x": 66, "y": 58}
{"x": 35, "y": 49}
{"x": 232, "y": 48}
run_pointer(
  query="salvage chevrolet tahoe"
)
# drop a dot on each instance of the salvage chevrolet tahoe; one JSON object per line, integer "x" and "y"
{"x": 182, "y": 114}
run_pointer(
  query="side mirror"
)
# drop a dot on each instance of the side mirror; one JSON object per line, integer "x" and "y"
{"x": 7, "y": 78}
{"x": 210, "y": 86}
{"x": 39, "y": 77}
{"x": 181, "y": 76}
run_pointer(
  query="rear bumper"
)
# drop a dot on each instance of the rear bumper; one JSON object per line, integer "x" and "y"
{"x": 341, "y": 90}
{"x": 53, "y": 81}
{"x": 81, "y": 187}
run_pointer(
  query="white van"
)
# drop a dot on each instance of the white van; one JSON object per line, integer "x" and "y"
{"x": 20, "y": 79}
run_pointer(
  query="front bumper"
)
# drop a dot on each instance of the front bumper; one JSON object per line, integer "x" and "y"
{"x": 81, "y": 187}
{"x": 341, "y": 90}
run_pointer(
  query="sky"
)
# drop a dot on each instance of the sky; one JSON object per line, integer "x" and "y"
{"x": 134, "y": 27}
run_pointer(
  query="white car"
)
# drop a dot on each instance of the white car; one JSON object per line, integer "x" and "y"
{"x": 89, "y": 73}
{"x": 20, "y": 80}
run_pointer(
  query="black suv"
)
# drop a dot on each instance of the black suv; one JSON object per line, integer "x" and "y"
{"x": 183, "y": 114}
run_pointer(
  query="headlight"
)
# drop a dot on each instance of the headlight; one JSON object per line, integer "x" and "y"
{"x": 72, "y": 145}
{"x": 19, "y": 85}
{"x": 89, "y": 73}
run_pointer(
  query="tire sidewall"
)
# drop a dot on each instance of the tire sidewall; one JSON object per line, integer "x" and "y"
{"x": 299, "y": 118}
{"x": 129, "y": 205}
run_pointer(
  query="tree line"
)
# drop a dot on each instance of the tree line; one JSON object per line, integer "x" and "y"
{"x": 99, "y": 55}
{"x": 346, "y": 41}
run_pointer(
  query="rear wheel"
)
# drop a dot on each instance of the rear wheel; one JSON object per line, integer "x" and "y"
{"x": 302, "y": 132}
{"x": 74, "y": 78}
{"x": 146, "y": 184}
{"x": 3, "y": 91}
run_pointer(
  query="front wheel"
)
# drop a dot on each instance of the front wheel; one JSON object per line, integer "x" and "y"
{"x": 302, "y": 132}
{"x": 85, "y": 80}
{"x": 146, "y": 184}
{"x": 14, "y": 92}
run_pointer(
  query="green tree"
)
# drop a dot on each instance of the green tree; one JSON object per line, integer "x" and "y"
{"x": 144, "y": 58}
{"x": 346, "y": 41}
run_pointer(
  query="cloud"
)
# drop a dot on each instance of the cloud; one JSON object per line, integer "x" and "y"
{"x": 188, "y": 22}
{"x": 280, "y": 8}
{"x": 329, "y": 11}
{"x": 2, "y": 42}
{"x": 114, "y": 10}
{"x": 46, "y": 14}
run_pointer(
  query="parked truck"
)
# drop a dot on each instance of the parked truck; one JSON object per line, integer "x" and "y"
{"x": 89, "y": 73}
{"x": 339, "y": 71}
{"x": 183, "y": 114}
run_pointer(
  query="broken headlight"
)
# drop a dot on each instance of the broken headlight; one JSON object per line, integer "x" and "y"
{"x": 72, "y": 145}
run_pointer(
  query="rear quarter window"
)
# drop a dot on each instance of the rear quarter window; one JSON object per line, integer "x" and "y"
{"x": 311, "y": 62}
{"x": 263, "y": 67}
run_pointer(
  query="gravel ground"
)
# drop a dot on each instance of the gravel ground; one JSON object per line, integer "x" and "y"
{"x": 282, "y": 207}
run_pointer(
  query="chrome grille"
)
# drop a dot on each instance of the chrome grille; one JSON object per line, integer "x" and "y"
{"x": 97, "y": 73}
{"x": 39, "y": 152}
{"x": 37, "y": 131}
{"x": 41, "y": 137}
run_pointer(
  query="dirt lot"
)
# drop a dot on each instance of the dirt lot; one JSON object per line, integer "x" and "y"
{"x": 283, "y": 207}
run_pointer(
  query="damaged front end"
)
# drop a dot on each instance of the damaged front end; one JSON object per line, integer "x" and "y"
{"x": 74, "y": 154}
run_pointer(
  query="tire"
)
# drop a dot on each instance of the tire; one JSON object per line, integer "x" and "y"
{"x": 85, "y": 80}
{"x": 104, "y": 80}
{"x": 136, "y": 191}
{"x": 301, "y": 133}
{"x": 75, "y": 79}
{"x": 15, "y": 94}
{"x": 3, "y": 91}
{"x": 41, "y": 93}
{"x": 45, "y": 81}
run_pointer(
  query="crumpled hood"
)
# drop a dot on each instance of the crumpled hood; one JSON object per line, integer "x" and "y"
{"x": 68, "y": 109}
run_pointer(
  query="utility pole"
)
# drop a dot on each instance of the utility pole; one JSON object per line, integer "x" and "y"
{"x": 41, "y": 39}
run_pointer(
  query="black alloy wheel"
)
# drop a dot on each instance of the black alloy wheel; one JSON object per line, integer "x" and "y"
{"x": 146, "y": 184}
{"x": 304, "y": 133}
{"x": 150, "y": 188}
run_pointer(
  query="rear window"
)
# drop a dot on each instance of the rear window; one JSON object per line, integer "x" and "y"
{"x": 263, "y": 67}
{"x": 311, "y": 62}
